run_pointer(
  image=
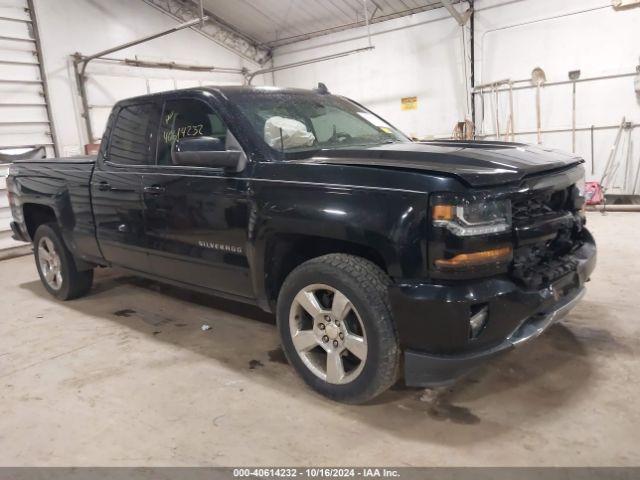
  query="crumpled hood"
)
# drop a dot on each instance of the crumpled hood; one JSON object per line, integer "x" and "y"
{"x": 477, "y": 163}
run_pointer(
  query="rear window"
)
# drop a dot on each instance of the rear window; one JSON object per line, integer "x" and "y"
{"x": 131, "y": 141}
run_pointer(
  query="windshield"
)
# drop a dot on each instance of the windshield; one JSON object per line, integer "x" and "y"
{"x": 290, "y": 122}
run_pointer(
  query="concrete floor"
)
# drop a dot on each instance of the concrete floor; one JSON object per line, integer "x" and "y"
{"x": 126, "y": 376}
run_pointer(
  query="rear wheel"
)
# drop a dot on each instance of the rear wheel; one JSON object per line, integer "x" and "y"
{"x": 336, "y": 327}
{"x": 56, "y": 266}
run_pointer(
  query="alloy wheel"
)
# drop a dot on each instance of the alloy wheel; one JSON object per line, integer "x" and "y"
{"x": 328, "y": 334}
{"x": 50, "y": 263}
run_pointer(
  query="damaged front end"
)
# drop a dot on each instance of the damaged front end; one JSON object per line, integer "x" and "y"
{"x": 531, "y": 234}
{"x": 548, "y": 231}
{"x": 499, "y": 276}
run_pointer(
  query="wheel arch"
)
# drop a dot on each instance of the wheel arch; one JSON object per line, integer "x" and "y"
{"x": 285, "y": 252}
{"x": 36, "y": 214}
{"x": 363, "y": 286}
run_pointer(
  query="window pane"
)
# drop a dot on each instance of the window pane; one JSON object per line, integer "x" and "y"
{"x": 334, "y": 121}
{"x": 131, "y": 138}
{"x": 188, "y": 118}
{"x": 294, "y": 122}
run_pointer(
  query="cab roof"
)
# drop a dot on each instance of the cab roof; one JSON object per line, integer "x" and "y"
{"x": 227, "y": 91}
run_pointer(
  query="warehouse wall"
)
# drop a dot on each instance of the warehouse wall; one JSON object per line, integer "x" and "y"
{"x": 89, "y": 26}
{"x": 418, "y": 55}
{"x": 587, "y": 35}
{"x": 422, "y": 56}
{"x": 24, "y": 114}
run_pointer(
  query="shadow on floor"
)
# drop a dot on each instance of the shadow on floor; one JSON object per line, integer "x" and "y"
{"x": 515, "y": 388}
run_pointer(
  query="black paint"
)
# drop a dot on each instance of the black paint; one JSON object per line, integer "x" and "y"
{"x": 238, "y": 232}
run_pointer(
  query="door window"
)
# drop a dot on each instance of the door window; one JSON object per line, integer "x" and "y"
{"x": 188, "y": 118}
{"x": 131, "y": 141}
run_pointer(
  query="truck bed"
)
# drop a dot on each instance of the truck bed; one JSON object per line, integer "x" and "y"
{"x": 91, "y": 159}
{"x": 64, "y": 186}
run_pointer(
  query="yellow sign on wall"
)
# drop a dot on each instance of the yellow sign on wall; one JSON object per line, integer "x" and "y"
{"x": 409, "y": 103}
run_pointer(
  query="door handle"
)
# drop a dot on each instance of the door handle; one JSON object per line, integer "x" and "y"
{"x": 154, "y": 190}
{"x": 104, "y": 186}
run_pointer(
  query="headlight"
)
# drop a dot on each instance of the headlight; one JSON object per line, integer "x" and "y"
{"x": 466, "y": 218}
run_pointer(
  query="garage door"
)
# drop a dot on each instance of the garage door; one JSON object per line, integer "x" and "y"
{"x": 25, "y": 120}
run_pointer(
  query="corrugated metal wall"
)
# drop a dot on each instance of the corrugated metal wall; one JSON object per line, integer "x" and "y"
{"x": 24, "y": 116}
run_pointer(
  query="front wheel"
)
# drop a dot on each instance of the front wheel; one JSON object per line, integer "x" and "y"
{"x": 336, "y": 327}
{"x": 56, "y": 267}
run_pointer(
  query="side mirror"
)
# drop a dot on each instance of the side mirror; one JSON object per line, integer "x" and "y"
{"x": 205, "y": 152}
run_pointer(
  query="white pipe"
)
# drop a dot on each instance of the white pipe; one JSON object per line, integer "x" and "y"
{"x": 613, "y": 208}
{"x": 513, "y": 127}
{"x": 497, "y": 113}
{"x": 497, "y": 84}
{"x": 302, "y": 63}
{"x": 366, "y": 21}
{"x": 467, "y": 93}
{"x": 521, "y": 24}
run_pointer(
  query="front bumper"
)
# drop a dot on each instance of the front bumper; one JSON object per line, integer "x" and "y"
{"x": 433, "y": 319}
{"x": 422, "y": 369}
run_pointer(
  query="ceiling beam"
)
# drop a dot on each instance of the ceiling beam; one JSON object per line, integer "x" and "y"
{"x": 461, "y": 18}
{"x": 214, "y": 28}
{"x": 360, "y": 23}
{"x": 249, "y": 77}
{"x": 132, "y": 43}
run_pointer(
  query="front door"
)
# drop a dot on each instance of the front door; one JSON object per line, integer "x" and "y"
{"x": 196, "y": 218}
{"x": 116, "y": 185}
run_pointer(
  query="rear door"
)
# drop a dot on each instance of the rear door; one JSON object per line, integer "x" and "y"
{"x": 116, "y": 185}
{"x": 196, "y": 218}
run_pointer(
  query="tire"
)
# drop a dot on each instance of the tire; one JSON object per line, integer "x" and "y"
{"x": 56, "y": 266}
{"x": 351, "y": 360}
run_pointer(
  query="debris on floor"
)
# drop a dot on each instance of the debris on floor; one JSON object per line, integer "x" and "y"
{"x": 205, "y": 327}
{"x": 215, "y": 420}
{"x": 253, "y": 364}
{"x": 277, "y": 355}
{"x": 441, "y": 409}
{"x": 431, "y": 395}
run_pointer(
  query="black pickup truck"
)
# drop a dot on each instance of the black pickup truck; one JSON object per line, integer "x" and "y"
{"x": 378, "y": 255}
